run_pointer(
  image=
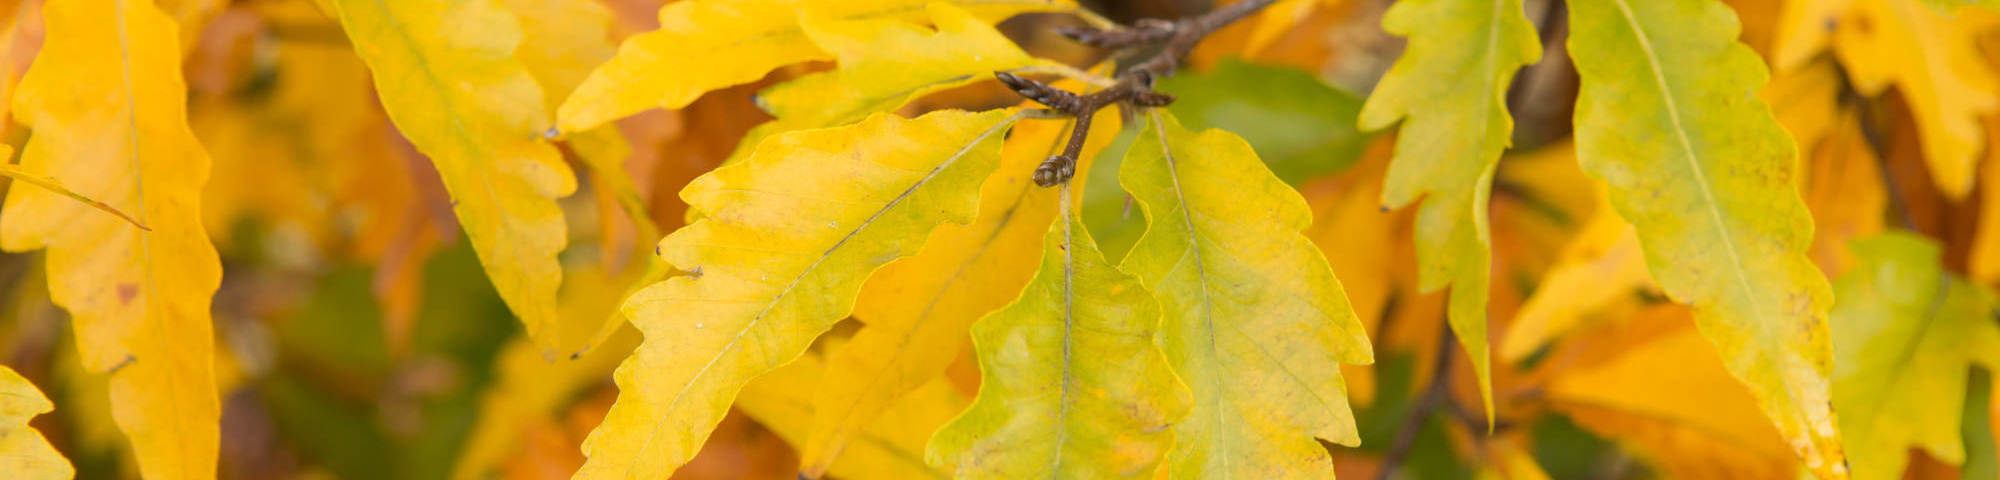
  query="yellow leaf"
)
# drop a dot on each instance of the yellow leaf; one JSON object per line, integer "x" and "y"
{"x": 892, "y": 448}
{"x": 444, "y": 71}
{"x": 1257, "y": 325}
{"x": 704, "y": 45}
{"x": 918, "y": 310}
{"x": 1275, "y": 20}
{"x": 1457, "y": 126}
{"x": 1803, "y": 28}
{"x": 1905, "y": 334}
{"x": 1804, "y": 100}
{"x": 562, "y": 40}
{"x": 789, "y": 236}
{"x": 1071, "y": 384}
{"x": 1652, "y": 383}
{"x": 1694, "y": 160}
{"x": 106, "y": 101}
{"x": 1845, "y": 191}
{"x": 1983, "y": 264}
{"x": 1935, "y": 63}
{"x": 24, "y": 454}
{"x": 1348, "y": 217}
{"x": 1599, "y": 267}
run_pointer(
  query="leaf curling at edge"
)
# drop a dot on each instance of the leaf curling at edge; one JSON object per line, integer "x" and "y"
{"x": 1257, "y": 325}
{"x": 464, "y": 101}
{"x": 884, "y": 63}
{"x": 917, "y": 311}
{"x": 24, "y": 453}
{"x": 139, "y": 299}
{"x": 1071, "y": 383}
{"x": 1906, "y": 334}
{"x": 704, "y": 45}
{"x": 1455, "y": 126}
{"x": 1696, "y": 162}
{"x": 791, "y": 234}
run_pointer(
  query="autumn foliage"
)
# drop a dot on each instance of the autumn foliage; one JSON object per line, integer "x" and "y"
{"x": 1495, "y": 239}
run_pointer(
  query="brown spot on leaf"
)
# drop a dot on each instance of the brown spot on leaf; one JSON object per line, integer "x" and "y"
{"x": 127, "y": 291}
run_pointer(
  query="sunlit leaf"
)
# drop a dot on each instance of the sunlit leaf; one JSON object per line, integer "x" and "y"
{"x": 1256, "y": 323}
{"x": 789, "y": 237}
{"x": 24, "y": 454}
{"x": 1694, "y": 160}
{"x": 444, "y": 71}
{"x": 1072, "y": 385}
{"x": 919, "y": 310}
{"x": 1455, "y": 125}
{"x": 1906, "y": 333}
{"x": 705, "y": 45}
{"x": 107, "y": 103}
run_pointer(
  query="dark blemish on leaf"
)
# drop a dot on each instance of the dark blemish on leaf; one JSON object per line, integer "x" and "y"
{"x": 121, "y": 365}
{"x": 551, "y": 134}
{"x": 576, "y": 355}
{"x": 656, "y": 250}
{"x": 126, "y": 291}
{"x": 695, "y": 273}
{"x": 1385, "y": 209}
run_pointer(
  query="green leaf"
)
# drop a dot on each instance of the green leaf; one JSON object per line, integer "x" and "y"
{"x": 1450, "y": 91}
{"x": 1302, "y": 127}
{"x": 1906, "y": 334}
{"x": 1668, "y": 117}
{"x": 790, "y": 235}
{"x": 1071, "y": 384}
{"x": 1256, "y": 323}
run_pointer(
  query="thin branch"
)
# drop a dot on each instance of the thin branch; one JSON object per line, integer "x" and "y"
{"x": 1134, "y": 86}
{"x": 1436, "y": 395}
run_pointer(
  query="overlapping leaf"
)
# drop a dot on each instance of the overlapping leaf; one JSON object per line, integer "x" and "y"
{"x": 892, "y": 448}
{"x": 1457, "y": 126}
{"x": 1905, "y": 335}
{"x": 1072, "y": 385}
{"x": 919, "y": 310}
{"x": 1256, "y": 324}
{"x": 1694, "y": 160}
{"x": 24, "y": 454}
{"x": 789, "y": 236}
{"x": 704, "y": 45}
{"x": 1933, "y": 61}
{"x": 107, "y": 103}
{"x": 445, "y": 71}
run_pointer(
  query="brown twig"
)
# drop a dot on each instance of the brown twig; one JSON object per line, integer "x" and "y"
{"x": 1435, "y": 396}
{"x": 1133, "y": 86}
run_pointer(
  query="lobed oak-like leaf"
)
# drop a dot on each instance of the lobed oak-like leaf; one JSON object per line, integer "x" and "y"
{"x": 789, "y": 236}
{"x": 1071, "y": 383}
{"x": 1934, "y": 61}
{"x": 704, "y": 45}
{"x": 1450, "y": 90}
{"x": 1256, "y": 324}
{"x": 1906, "y": 333}
{"x": 1694, "y": 160}
{"x": 918, "y": 310}
{"x": 446, "y": 73}
{"x": 108, "y": 106}
{"x": 24, "y": 453}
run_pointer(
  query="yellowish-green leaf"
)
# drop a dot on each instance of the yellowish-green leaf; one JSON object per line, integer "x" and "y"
{"x": 445, "y": 71}
{"x": 704, "y": 45}
{"x": 1696, "y": 162}
{"x": 919, "y": 310}
{"x": 789, "y": 236}
{"x": 1072, "y": 385}
{"x": 108, "y": 107}
{"x": 1451, "y": 85}
{"x": 1933, "y": 60}
{"x": 891, "y": 448}
{"x": 1256, "y": 323}
{"x": 24, "y": 454}
{"x": 1906, "y": 332}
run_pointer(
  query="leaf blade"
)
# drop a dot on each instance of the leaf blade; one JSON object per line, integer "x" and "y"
{"x": 23, "y": 451}
{"x": 1701, "y": 169}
